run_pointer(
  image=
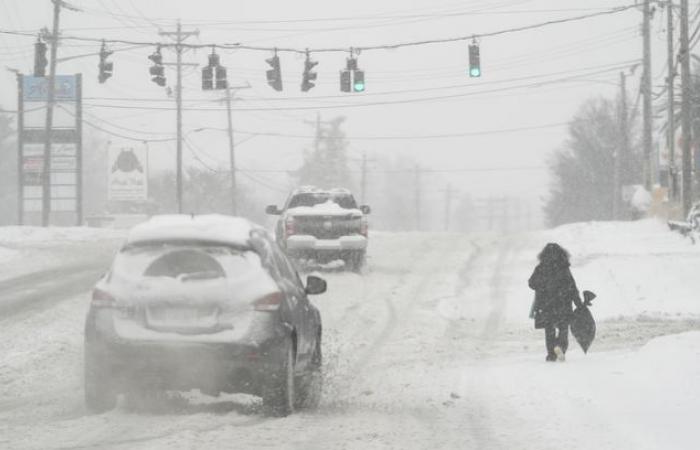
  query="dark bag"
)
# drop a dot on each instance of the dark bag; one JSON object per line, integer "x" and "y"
{"x": 583, "y": 324}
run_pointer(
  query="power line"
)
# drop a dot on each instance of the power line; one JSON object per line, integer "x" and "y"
{"x": 238, "y": 46}
{"x": 367, "y": 104}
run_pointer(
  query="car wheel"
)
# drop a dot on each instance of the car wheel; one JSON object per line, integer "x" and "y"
{"x": 279, "y": 394}
{"x": 100, "y": 395}
{"x": 311, "y": 384}
{"x": 356, "y": 261}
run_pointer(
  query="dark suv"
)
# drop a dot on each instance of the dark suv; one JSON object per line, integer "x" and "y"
{"x": 203, "y": 302}
{"x": 323, "y": 225}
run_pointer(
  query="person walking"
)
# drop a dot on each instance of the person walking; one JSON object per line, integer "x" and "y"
{"x": 555, "y": 291}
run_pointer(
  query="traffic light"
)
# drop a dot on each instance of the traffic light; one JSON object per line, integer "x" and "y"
{"x": 358, "y": 83}
{"x": 352, "y": 79}
{"x": 308, "y": 76}
{"x": 214, "y": 75}
{"x": 40, "y": 61}
{"x": 274, "y": 75}
{"x": 345, "y": 80}
{"x": 221, "y": 82}
{"x": 474, "y": 61}
{"x": 105, "y": 67}
{"x": 207, "y": 78}
{"x": 157, "y": 70}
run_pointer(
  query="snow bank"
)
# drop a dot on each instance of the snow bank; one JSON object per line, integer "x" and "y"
{"x": 634, "y": 267}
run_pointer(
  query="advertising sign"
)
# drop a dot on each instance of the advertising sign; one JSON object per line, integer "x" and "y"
{"x": 128, "y": 174}
{"x": 36, "y": 89}
{"x": 63, "y": 181}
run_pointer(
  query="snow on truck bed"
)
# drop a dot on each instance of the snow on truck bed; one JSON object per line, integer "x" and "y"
{"x": 329, "y": 208}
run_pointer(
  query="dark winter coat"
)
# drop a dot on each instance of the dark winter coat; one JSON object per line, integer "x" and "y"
{"x": 555, "y": 292}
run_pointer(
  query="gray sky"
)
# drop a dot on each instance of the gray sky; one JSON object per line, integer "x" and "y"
{"x": 467, "y": 105}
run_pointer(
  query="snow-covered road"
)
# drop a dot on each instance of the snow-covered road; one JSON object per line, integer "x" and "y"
{"x": 430, "y": 348}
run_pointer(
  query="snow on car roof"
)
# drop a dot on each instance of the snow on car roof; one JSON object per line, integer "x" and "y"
{"x": 317, "y": 190}
{"x": 214, "y": 228}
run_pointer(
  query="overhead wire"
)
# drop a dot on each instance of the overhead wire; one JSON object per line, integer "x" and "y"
{"x": 394, "y": 46}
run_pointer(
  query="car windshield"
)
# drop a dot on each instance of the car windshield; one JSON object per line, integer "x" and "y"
{"x": 310, "y": 199}
{"x": 184, "y": 262}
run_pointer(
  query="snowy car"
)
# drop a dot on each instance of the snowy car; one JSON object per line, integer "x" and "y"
{"x": 323, "y": 225}
{"x": 203, "y": 302}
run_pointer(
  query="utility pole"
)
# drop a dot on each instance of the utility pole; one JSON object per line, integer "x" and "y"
{"x": 46, "y": 178}
{"x": 646, "y": 91}
{"x": 417, "y": 181}
{"x": 448, "y": 205}
{"x": 363, "y": 180}
{"x": 232, "y": 154}
{"x": 180, "y": 37}
{"x": 623, "y": 150}
{"x": 671, "y": 130}
{"x": 686, "y": 187}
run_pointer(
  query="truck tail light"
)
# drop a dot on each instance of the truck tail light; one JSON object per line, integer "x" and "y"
{"x": 270, "y": 302}
{"x": 364, "y": 227}
{"x": 289, "y": 226}
{"x": 102, "y": 299}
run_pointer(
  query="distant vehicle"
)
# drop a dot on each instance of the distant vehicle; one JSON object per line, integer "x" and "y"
{"x": 323, "y": 225}
{"x": 203, "y": 302}
{"x": 691, "y": 226}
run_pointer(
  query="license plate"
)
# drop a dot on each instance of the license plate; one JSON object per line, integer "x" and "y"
{"x": 181, "y": 316}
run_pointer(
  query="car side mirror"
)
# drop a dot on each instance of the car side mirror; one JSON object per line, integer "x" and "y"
{"x": 273, "y": 210}
{"x": 315, "y": 285}
{"x": 588, "y": 297}
{"x": 365, "y": 209}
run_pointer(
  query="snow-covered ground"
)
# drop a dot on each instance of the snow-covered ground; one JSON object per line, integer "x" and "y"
{"x": 430, "y": 348}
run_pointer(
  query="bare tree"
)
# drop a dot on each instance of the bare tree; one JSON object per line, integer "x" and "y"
{"x": 583, "y": 187}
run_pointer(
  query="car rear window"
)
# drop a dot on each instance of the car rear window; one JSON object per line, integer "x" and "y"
{"x": 185, "y": 262}
{"x": 311, "y": 199}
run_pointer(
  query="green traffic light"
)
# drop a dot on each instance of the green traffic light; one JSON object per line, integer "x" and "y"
{"x": 475, "y": 72}
{"x": 359, "y": 87}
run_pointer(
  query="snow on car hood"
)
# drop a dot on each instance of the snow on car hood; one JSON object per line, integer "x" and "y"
{"x": 329, "y": 208}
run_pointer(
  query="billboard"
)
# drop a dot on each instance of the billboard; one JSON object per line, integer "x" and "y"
{"x": 128, "y": 174}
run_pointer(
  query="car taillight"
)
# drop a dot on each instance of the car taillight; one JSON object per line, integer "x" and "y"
{"x": 270, "y": 302}
{"x": 102, "y": 299}
{"x": 364, "y": 227}
{"x": 289, "y": 226}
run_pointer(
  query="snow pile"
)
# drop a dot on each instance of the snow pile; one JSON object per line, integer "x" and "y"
{"x": 636, "y": 268}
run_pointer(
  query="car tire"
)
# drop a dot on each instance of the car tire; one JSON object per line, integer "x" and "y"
{"x": 355, "y": 262}
{"x": 279, "y": 394}
{"x": 100, "y": 395}
{"x": 310, "y": 386}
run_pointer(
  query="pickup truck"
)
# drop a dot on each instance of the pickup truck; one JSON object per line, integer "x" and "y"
{"x": 323, "y": 225}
